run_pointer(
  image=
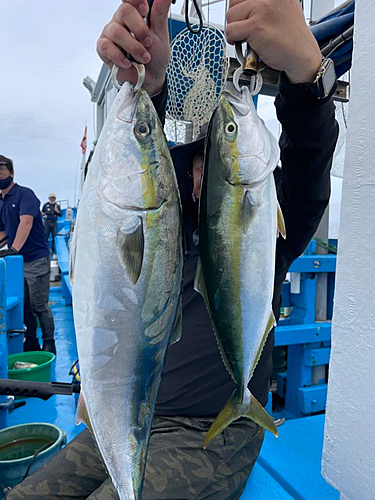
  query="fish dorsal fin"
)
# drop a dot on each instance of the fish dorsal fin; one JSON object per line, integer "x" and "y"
{"x": 280, "y": 222}
{"x": 270, "y": 324}
{"x": 82, "y": 413}
{"x": 177, "y": 325}
{"x": 130, "y": 240}
{"x": 249, "y": 210}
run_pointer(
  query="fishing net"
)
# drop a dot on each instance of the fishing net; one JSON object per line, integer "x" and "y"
{"x": 196, "y": 77}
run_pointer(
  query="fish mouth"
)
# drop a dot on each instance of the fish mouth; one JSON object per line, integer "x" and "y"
{"x": 145, "y": 209}
{"x": 245, "y": 185}
{"x": 135, "y": 208}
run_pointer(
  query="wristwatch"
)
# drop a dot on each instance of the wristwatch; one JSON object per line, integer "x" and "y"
{"x": 324, "y": 81}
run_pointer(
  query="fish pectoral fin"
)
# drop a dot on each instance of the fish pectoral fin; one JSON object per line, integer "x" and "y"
{"x": 280, "y": 222}
{"x": 249, "y": 210}
{"x": 177, "y": 325}
{"x": 236, "y": 408}
{"x": 82, "y": 413}
{"x": 130, "y": 240}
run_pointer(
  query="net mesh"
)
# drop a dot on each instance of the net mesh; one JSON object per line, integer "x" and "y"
{"x": 196, "y": 77}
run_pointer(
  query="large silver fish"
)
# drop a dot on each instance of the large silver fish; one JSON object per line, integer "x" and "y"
{"x": 238, "y": 231}
{"x": 126, "y": 283}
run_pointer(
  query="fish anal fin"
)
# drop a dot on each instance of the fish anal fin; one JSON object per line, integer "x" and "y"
{"x": 280, "y": 222}
{"x": 236, "y": 408}
{"x": 130, "y": 240}
{"x": 270, "y": 324}
{"x": 249, "y": 211}
{"x": 177, "y": 325}
{"x": 200, "y": 285}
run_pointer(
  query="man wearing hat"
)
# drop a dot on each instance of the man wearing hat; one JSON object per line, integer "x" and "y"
{"x": 21, "y": 228}
{"x": 51, "y": 211}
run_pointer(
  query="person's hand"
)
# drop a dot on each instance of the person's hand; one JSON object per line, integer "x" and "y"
{"x": 8, "y": 251}
{"x": 149, "y": 46}
{"x": 277, "y": 31}
{"x": 56, "y": 209}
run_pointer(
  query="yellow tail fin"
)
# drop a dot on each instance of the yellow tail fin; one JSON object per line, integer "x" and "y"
{"x": 234, "y": 409}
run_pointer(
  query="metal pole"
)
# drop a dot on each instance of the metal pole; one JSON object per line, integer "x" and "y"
{"x": 318, "y": 372}
{"x": 321, "y": 287}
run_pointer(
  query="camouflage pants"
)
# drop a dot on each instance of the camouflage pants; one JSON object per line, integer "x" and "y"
{"x": 177, "y": 466}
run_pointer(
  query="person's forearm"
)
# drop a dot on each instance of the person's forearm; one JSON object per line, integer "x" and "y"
{"x": 307, "y": 146}
{"x": 22, "y": 234}
{"x": 3, "y": 239}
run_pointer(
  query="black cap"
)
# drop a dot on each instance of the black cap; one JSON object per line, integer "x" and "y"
{"x": 8, "y": 162}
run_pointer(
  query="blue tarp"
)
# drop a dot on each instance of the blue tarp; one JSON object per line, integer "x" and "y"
{"x": 330, "y": 27}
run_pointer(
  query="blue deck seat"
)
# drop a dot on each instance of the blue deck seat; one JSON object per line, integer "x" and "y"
{"x": 63, "y": 259}
{"x": 66, "y": 289}
{"x": 294, "y": 460}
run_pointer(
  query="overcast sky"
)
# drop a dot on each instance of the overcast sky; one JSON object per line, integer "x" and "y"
{"x": 46, "y": 49}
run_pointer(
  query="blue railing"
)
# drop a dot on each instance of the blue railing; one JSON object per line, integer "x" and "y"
{"x": 64, "y": 225}
{"x": 11, "y": 319}
{"x": 303, "y": 386}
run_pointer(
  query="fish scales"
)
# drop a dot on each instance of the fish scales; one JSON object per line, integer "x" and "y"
{"x": 126, "y": 283}
{"x": 238, "y": 230}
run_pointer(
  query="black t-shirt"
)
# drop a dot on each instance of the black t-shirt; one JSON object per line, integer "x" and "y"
{"x": 49, "y": 210}
{"x": 195, "y": 381}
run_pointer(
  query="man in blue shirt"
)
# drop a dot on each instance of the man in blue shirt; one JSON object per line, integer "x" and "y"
{"x": 22, "y": 228}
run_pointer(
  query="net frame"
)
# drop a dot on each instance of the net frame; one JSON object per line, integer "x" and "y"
{"x": 196, "y": 78}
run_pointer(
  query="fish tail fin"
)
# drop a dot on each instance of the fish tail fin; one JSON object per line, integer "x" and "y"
{"x": 236, "y": 408}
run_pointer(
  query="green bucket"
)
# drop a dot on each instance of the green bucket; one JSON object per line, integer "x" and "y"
{"x": 25, "y": 448}
{"x": 40, "y": 373}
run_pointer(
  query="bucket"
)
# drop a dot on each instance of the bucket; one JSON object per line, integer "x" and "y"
{"x": 24, "y": 449}
{"x": 40, "y": 373}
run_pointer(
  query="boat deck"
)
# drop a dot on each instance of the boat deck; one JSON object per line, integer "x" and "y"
{"x": 288, "y": 468}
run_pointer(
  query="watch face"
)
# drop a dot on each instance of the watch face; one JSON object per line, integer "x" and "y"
{"x": 329, "y": 77}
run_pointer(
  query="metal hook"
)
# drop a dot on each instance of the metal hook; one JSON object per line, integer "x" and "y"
{"x": 141, "y": 76}
{"x": 256, "y": 81}
{"x": 249, "y": 65}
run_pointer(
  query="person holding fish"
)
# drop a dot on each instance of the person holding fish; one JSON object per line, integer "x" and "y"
{"x": 203, "y": 374}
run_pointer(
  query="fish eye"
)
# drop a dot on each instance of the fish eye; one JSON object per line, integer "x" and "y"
{"x": 230, "y": 128}
{"x": 142, "y": 130}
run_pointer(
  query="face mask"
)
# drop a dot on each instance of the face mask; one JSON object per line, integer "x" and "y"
{"x": 5, "y": 183}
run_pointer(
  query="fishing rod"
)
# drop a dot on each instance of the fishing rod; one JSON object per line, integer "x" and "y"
{"x": 41, "y": 390}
